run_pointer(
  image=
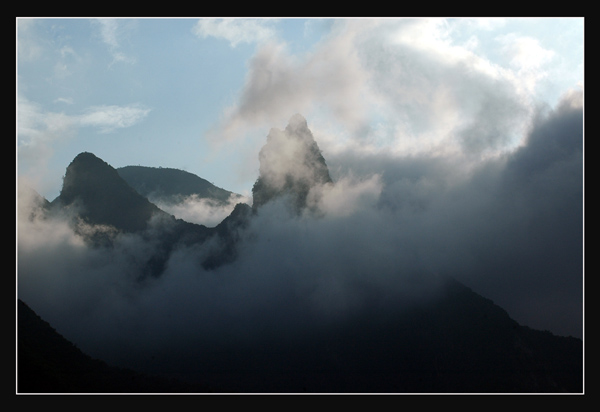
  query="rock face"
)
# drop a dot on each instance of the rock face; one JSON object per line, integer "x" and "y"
{"x": 291, "y": 164}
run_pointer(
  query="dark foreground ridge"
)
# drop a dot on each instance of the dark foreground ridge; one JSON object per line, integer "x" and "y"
{"x": 48, "y": 363}
{"x": 462, "y": 343}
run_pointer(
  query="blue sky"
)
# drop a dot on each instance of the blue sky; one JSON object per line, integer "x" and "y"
{"x": 202, "y": 94}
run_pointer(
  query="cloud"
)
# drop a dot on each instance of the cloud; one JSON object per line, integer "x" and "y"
{"x": 236, "y": 31}
{"x": 203, "y": 211}
{"x": 38, "y": 131}
{"x": 109, "y": 118}
{"x": 111, "y": 33}
{"x": 401, "y": 85}
{"x": 38, "y": 127}
{"x": 279, "y": 84}
{"x": 511, "y": 229}
{"x": 347, "y": 196}
{"x": 28, "y": 45}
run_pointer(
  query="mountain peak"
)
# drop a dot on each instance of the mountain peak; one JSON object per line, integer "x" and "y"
{"x": 291, "y": 164}
{"x": 102, "y": 196}
{"x": 297, "y": 123}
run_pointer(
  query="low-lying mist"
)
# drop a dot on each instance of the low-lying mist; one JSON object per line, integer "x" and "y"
{"x": 510, "y": 228}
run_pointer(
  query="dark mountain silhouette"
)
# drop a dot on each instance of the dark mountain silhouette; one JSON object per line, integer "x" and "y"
{"x": 291, "y": 164}
{"x": 228, "y": 234}
{"x": 48, "y": 363}
{"x": 458, "y": 343}
{"x": 97, "y": 195}
{"x": 171, "y": 185}
{"x": 102, "y": 197}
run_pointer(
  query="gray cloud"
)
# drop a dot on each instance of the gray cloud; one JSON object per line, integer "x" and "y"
{"x": 278, "y": 83}
{"x": 511, "y": 227}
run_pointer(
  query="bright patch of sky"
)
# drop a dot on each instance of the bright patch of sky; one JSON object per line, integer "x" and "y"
{"x": 202, "y": 94}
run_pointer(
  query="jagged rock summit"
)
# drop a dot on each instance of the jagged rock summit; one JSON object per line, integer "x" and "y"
{"x": 291, "y": 164}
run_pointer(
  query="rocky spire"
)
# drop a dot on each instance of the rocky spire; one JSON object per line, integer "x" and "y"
{"x": 291, "y": 164}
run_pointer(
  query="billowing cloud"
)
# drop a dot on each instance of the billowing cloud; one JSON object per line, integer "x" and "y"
{"x": 402, "y": 85}
{"x": 279, "y": 84}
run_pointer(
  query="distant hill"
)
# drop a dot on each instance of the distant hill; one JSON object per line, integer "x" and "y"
{"x": 171, "y": 184}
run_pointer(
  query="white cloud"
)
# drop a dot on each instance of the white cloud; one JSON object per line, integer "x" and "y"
{"x": 347, "y": 196}
{"x": 203, "y": 211}
{"x": 279, "y": 84}
{"x": 37, "y": 126}
{"x": 108, "y": 31}
{"x": 108, "y": 118}
{"x": 434, "y": 95}
{"x": 28, "y": 45}
{"x": 407, "y": 86}
{"x": 525, "y": 53}
{"x": 65, "y": 100}
{"x": 236, "y": 31}
{"x": 111, "y": 32}
{"x": 39, "y": 131}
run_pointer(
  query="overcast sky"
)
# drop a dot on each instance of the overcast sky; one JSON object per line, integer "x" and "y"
{"x": 456, "y": 146}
